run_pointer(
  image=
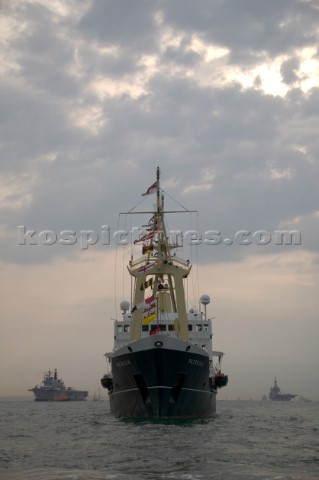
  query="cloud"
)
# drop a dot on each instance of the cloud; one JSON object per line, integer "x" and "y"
{"x": 117, "y": 23}
{"x": 249, "y": 25}
{"x": 289, "y": 69}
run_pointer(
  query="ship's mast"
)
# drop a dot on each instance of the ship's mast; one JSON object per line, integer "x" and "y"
{"x": 161, "y": 266}
{"x": 164, "y": 254}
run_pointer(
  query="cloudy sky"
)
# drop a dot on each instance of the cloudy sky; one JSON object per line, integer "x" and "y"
{"x": 223, "y": 96}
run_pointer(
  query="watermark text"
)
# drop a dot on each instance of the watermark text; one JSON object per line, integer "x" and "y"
{"x": 87, "y": 238}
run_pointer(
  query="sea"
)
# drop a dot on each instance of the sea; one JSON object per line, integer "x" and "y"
{"x": 247, "y": 440}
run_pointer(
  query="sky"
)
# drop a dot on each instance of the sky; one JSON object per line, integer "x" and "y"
{"x": 223, "y": 96}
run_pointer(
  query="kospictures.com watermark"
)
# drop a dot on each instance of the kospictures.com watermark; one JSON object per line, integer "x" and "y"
{"x": 86, "y": 238}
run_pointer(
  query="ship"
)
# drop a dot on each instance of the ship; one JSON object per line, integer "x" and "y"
{"x": 275, "y": 394}
{"x": 163, "y": 365}
{"x": 53, "y": 389}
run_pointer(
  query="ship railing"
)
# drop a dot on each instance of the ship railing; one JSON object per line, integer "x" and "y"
{"x": 145, "y": 260}
{"x": 180, "y": 261}
{"x": 141, "y": 261}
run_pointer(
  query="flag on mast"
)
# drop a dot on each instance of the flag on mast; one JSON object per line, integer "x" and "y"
{"x": 138, "y": 306}
{"x": 146, "y": 284}
{"x": 146, "y": 237}
{"x": 149, "y": 319}
{"x": 151, "y": 189}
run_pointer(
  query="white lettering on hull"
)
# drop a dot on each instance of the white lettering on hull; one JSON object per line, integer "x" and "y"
{"x": 196, "y": 363}
{"x": 123, "y": 363}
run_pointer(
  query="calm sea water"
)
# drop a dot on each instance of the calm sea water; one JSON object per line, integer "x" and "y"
{"x": 82, "y": 441}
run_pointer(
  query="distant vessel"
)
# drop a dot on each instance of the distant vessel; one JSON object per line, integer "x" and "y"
{"x": 275, "y": 394}
{"x": 303, "y": 399}
{"x": 162, "y": 362}
{"x": 54, "y": 390}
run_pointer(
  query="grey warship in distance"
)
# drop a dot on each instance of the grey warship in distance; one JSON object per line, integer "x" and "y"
{"x": 162, "y": 364}
{"x": 275, "y": 394}
{"x": 54, "y": 390}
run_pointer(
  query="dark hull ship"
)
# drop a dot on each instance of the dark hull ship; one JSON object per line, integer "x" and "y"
{"x": 53, "y": 389}
{"x": 162, "y": 364}
{"x": 161, "y": 377}
{"x": 276, "y": 395}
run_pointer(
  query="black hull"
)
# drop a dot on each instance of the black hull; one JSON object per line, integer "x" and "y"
{"x": 161, "y": 377}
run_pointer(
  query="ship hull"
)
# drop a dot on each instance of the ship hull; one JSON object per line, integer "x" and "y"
{"x": 46, "y": 395}
{"x": 161, "y": 377}
{"x": 283, "y": 398}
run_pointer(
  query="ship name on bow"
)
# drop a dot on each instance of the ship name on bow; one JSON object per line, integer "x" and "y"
{"x": 196, "y": 363}
{"x": 123, "y": 363}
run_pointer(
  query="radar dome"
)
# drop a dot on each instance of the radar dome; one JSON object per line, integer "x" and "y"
{"x": 205, "y": 299}
{"x": 124, "y": 305}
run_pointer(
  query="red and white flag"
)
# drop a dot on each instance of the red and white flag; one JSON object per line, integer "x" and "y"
{"x": 148, "y": 236}
{"x": 150, "y": 300}
{"x": 151, "y": 189}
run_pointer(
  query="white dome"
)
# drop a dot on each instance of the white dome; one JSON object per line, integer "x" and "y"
{"x": 124, "y": 305}
{"x": 205, "y": 299}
